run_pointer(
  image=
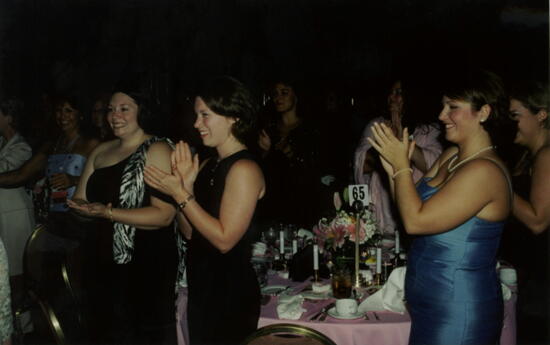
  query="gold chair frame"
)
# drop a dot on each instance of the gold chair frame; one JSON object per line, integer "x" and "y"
{"x": 289, "y": 328}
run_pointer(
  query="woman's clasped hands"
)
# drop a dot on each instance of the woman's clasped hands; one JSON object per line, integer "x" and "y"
{"x": 395, "y": 154}
{"x": 185, "y": 167}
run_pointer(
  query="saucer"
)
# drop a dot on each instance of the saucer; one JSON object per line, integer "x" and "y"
{"x": 316, "y": 295}
{"x": 332, "y": 312}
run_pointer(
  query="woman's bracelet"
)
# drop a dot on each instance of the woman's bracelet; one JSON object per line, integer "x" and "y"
{"x": 401, "y": 171}
{"x": 182, "y": 204}
{"x": 111, "y": 214}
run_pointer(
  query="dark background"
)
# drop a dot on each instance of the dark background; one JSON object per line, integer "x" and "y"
{"x": 89, "y": 45}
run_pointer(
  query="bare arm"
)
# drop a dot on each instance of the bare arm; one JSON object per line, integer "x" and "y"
{"x": 243, "y": 188}
{"x": 184, "y": 226}
{"x": 535, "y": 212}
{"x": 32, "y": 168}
{"x": 158, "y": 214}
{"x": 473, "y": 190}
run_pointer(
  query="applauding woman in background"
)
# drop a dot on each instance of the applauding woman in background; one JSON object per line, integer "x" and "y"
{"x": 458, "y": 211}
{"x": 525, "y": 243}
{"x": 216, "y": 208}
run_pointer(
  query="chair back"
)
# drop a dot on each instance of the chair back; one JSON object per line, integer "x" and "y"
{"x": 287, "y": 334}
{"x": 32, "y": 258}
{"x": 46, "y": 322}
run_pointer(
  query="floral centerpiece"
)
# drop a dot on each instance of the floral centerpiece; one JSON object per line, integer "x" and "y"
{"x": 336, "y": 236}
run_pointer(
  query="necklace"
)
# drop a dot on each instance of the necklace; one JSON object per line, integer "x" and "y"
{"x": 451, "y": 169}
{"x": 218, "y": 160}
{"x": 213, "y": 170}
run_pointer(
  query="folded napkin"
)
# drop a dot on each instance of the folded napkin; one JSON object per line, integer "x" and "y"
{"x": 290, "y": 307}
{"x": 390, "y": 296}
{"x": 506, "y": 292}
{"x": 308, "y": 235}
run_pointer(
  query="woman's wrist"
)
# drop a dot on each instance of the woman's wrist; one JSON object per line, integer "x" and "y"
{"x": 109, "y": 213}
{"x": 182, "y": 204}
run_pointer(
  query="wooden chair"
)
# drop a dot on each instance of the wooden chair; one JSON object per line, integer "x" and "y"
{"x": 287, "y": 334}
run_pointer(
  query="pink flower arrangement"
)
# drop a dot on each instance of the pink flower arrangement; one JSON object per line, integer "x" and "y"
{"x": 333, "y": 234}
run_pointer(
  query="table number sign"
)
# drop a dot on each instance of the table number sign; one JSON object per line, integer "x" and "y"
{"x": 358, "y": 192}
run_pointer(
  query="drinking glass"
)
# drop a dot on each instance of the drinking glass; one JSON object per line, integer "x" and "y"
{"x": 342, "y": 283}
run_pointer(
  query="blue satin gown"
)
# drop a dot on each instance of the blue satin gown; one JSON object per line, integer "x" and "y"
{"x": 451, "y": 287}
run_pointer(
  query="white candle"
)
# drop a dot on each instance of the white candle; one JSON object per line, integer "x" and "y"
{"x": 294, "y": 247}
{"x": 397, "y": 244}
{"x": 378, "y": 260}
{"x": 281, "y": 242}
{"x": 315, "y": 257}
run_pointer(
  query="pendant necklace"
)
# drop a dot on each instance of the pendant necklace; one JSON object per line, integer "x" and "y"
{"x": 213, "y": 170}
{"x": 451, "y": 169}
{"x": 218, "y": 160}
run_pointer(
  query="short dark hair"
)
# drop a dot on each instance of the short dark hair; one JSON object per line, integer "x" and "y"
{"x": 229, "y": 97}
{"x": 14, "y": 108}
{"x": 479, "y": 88}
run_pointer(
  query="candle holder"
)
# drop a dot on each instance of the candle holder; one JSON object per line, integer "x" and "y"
{"x": 358, "y": 208}
{"x": 315, "y": 276}
{"x": 377, "y": 279}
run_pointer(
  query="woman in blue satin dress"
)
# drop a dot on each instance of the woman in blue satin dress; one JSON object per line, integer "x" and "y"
{"x": 457, "y": 212}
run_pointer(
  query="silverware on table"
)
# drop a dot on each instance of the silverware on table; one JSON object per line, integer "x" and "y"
{"x": 323, "y": 312}
{"x": 376, "y": 316}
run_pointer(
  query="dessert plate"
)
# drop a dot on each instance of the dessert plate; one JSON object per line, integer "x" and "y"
{"x": 316, "y": 295}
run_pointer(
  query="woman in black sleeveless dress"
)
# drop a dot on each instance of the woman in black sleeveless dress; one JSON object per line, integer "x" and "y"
{"x": 132, "y": 284}
{"x": 216, "y": 207}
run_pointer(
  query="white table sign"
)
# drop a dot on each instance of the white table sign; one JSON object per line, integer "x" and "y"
{"x": 359, "y": 192}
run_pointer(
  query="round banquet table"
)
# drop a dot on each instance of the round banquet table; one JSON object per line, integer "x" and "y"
{"x": 382, "y": 327}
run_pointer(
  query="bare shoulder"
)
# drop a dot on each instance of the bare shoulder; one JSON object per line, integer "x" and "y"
{"x": 159, "y": 148}
{"x": 246, "y": 168}
{"x": 490, "y": 171}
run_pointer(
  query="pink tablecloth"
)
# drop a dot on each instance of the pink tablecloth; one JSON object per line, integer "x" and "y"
{"x": 389, "y": 329}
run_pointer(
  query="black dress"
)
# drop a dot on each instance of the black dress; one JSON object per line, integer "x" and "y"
{"x": 224, "y": 294}
{"x": 131, "y": 303}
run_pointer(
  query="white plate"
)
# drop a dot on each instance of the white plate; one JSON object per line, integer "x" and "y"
{"x": 332, "y": 312}
{"x": 316, "y": 295}
{"x": 273, "y": 290}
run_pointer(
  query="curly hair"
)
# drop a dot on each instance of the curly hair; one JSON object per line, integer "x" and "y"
{"x": 229, "y": 97}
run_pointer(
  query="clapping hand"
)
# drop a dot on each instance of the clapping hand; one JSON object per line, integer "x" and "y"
{"x": 185, "y": 164}
{"x": 169, "y": 184}
{"x": 264, "y": 141}
{"x": 395, "y": 154}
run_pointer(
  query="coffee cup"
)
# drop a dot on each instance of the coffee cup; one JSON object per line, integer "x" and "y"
{"x": 346, "y": 307}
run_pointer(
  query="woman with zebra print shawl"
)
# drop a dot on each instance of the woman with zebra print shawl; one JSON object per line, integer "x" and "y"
{"x": 132, "y": 294}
